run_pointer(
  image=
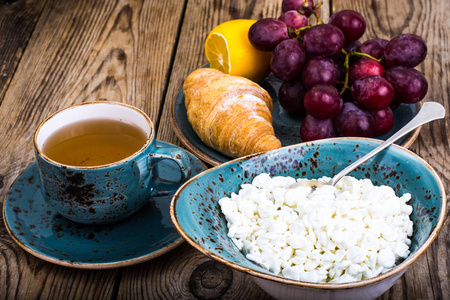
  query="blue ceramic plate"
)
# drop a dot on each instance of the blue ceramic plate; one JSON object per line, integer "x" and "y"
{"x": 38, "y": 229}
{"x": 287, "y": 127}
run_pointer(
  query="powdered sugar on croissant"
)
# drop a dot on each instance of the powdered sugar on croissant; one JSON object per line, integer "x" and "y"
{"x": 230, "y": 114}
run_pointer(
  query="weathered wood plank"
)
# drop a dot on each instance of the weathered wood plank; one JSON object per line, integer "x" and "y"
{"x": 88, "y": 50}
{"x": 185, "y": 273}
{"x": 17, "y": 22}
{"x": 79, "y": 51}
{"x": 428, "y": 277}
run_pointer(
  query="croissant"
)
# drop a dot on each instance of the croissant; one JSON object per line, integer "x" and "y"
{"x": 230, "y": 114}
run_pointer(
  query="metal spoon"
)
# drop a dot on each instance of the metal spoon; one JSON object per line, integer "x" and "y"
{"x": 430, "y": 111}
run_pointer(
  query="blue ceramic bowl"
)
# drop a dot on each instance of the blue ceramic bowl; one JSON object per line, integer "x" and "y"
{"x": 196, "y": 213}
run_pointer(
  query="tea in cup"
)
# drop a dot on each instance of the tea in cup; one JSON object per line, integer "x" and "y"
{"x": 96, "y": 161}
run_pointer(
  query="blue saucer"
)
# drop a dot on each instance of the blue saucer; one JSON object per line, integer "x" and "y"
{"x": 41, "y": 231}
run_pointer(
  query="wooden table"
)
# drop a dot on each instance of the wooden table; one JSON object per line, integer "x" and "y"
{"x": 56, "y": 53}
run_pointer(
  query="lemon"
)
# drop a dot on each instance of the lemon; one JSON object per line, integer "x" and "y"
{"x": 228, "y": 49}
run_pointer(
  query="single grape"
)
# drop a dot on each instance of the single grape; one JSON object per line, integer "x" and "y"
{"x": 339, "y": 57}
{"x": 288, "y": 59}
{"x": 297, "y": 5}
{"x": 374, "y": 47}
{"x": 407, "y": 50}
{"x": 319, "y": 70}
{"x": 383, "y": 120}
{"x": 352, "y": 47}
{"x": 341, "y": 72}
{"x": 315, "y": 129}
{"x": 410, "y": 85}
{"x": 323, "y": 101}
{"x": 324, "y": 39}
{"x": 372, "y": 92}
{"x": 395, "y": 103}
{"x": 266, "y": 34}
{"x": 293, "y": 20}
{"x": 350, "y": 22}
{"x": 347, "y": 95}
{"x": 291, "y": 95}
{"x": 353, "y": 121}
{"x": 365, "y": 67}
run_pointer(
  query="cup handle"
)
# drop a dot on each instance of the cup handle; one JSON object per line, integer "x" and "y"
{"x": 177, "y": 155}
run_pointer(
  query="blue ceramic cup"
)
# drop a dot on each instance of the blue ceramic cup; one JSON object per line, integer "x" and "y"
{"x": 106, "y": 193}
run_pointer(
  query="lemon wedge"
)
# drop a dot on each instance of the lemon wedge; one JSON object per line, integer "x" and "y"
{"x": 228, "y": 49}
{"x": 217, "y": 53}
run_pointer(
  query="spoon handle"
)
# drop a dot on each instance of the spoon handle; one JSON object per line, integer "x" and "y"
{"x": 430, "y": 111}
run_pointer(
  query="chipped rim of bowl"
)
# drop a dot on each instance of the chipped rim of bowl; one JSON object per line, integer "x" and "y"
{"x": 328, "y": 286}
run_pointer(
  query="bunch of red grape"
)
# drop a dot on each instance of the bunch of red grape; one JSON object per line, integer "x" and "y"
{"x": 346, "y": 88}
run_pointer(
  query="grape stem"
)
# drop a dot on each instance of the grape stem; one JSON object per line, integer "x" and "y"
{"x": 297, "y": 31}
{"x": 354, "y": 53}
{"x": 347, "y": 66}
{"x": 305, "y": 6}
{"x": 315, "y": 11}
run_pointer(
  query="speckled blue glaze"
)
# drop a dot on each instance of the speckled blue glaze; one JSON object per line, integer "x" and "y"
{"x": 104, "y": 194}
{"x": 196, "y": 213}
{"x": 43, "y": 232}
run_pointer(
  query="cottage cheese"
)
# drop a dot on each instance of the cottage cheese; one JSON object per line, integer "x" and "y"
{"x": 343, "y": 233}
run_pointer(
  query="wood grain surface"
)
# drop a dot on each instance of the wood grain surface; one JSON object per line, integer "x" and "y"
{"x": 56, "y": 53}
{"x": 17, "y": 22}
